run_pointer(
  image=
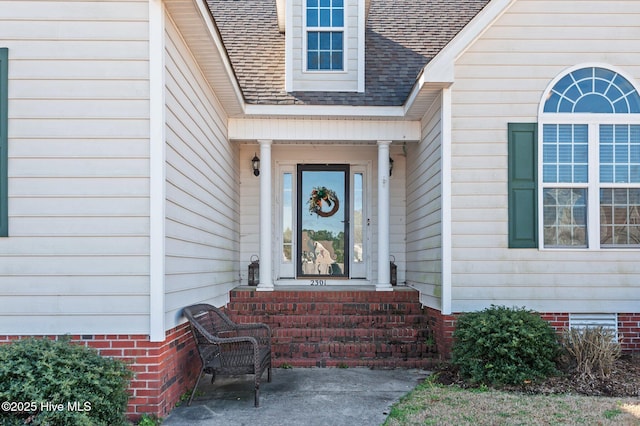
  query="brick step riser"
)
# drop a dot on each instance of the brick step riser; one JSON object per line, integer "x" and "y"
{"x": 424, "y": 363}
{"x": 324, "y": 309}
{"x": 285, "y": 296}
{"x": 382, "y": 322}
{"x": 353, "y": 350}
{"x": 338, "y": 335}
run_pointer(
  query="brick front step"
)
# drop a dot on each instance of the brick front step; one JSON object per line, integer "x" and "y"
{"x": 291, "y": 320}
{"x": 327, "y": 294}
{"x": 340, "y": 328}
{"x": 328, "y": 308}
{"x": 386, "y": 363}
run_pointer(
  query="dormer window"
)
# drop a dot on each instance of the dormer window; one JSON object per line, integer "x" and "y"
{"x": 325, "y": 35}
{"x": 324, "y": 45}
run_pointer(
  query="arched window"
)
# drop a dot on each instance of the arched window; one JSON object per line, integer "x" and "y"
{"x": 593, "y": 90}
{"x": 589, "y": 161}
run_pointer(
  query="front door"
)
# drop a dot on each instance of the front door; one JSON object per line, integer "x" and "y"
{"x": 323, "y": 249}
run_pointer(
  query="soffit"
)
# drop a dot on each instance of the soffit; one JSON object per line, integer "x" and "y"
{"x": 197, "y": 27}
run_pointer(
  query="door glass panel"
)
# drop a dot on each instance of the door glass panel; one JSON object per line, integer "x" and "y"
{"x": 358, "y": 231}
{"x": 323, "y": 215}
{"x": 358, "y": 225}
{"x": 287, "y": 219}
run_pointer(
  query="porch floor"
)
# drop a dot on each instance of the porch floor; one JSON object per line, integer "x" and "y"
{"x": 299, "y": 396}
{"x": 340, "y": 326}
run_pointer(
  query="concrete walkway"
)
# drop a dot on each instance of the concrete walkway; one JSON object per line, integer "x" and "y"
{"x": 300, "y": 396}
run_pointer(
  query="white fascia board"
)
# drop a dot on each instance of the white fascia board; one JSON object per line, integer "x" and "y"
{"x": 280, "y": 10}
{"x": 212, "y": 30}
{"x": 288, "y": 49}
{"x": 441, "y": 69}
{"x": 324, "y": 111}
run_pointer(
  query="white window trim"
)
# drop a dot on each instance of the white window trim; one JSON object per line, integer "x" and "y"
{"x": 305, "y": 32}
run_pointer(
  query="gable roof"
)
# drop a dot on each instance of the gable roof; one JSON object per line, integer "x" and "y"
{"x": 401, "y": 37}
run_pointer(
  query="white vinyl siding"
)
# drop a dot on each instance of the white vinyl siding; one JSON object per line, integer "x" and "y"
{"x": 499, "y": 80}
{"x": 77, "y": 257}
{"x": 424, "y": 215}
{"x": 202, "y": 206}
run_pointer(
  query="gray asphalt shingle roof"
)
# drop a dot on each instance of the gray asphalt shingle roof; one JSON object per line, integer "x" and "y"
{"x": 401, "y": 37}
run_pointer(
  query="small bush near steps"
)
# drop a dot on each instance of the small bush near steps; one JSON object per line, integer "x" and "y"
{"x": 46, "y": 382}
{"x": 503, "y": 346}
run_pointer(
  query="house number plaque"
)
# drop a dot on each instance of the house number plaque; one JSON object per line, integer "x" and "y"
{"x": 318, "y": 282}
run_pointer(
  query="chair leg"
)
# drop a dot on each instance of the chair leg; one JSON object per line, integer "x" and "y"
{"x": 257, "y": 396}
{"x": 193, "y": 392}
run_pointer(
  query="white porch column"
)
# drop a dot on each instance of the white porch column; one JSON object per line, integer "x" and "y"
{"x": 384, "y": 281}
{"x": 266, "y": 281}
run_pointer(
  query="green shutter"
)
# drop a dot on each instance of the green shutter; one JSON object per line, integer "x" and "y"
{"x": 4, "y": 120}
{"x": 523, "y": 181}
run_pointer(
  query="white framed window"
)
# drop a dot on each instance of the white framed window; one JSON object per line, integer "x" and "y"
{"x": 589, "y": 161}
{"x": 324, "y": 34}
{"x": 287, "y": 221}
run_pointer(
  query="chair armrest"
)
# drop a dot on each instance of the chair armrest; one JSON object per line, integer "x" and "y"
{"x": 241, "y": 350}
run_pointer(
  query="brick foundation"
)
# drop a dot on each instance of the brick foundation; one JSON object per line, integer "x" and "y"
{"x": 629, "y": 331}
{"x": 443, "y": 327}
{"x": 163, "y": 371}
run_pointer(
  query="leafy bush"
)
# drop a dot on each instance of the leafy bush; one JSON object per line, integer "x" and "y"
{"x": 149, "y": 420}
{"x": 504, "y": 346}
{"x": 593, "y": 351}
{"x": 57, "y": 383}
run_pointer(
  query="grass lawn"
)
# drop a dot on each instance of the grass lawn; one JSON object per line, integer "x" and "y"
{"x": 435, "y": 404}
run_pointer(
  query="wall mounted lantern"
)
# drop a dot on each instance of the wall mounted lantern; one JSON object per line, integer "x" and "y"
{"x": 390, "y": 166}
{"x": 255, "y": 164}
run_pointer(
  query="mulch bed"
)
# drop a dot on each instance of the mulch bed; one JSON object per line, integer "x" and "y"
{"x": 624, "y": 381}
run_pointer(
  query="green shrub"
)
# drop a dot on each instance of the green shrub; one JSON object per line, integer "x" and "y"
{"x": 501, "y": 346}
{"x": 149, "y": 420}
{"x": 57, "y": 383}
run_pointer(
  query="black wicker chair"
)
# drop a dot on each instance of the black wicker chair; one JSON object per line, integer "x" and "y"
{"x": 227, "y": 348}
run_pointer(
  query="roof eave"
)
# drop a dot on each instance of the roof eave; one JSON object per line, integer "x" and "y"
{"x": 185, "y": 14}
